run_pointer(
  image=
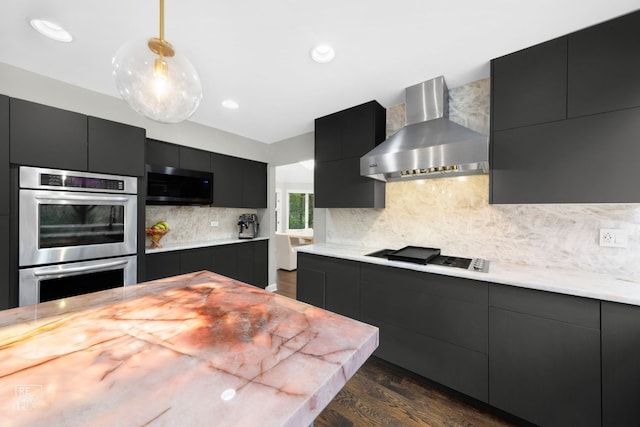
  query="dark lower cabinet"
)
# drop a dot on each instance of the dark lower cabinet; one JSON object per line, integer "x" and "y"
{"x": 247, "y": 262}
{"x": 4, "y": 155}
{"x": 620, "y": 364}
{"x": 5, "y": 282}
{"x": 431, "y": 324}
{"x": 544, "y": 356}
{"x": 330, "y": 283}
{"x": 161, "y": 265}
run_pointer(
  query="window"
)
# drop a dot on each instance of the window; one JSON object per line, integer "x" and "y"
{"x": 300, "y": 211}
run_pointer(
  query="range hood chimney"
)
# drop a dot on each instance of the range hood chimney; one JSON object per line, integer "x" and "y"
{"x": 430, "y": 145}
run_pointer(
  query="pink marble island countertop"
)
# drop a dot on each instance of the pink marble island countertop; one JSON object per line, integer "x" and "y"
{"x": 193, "y": 350}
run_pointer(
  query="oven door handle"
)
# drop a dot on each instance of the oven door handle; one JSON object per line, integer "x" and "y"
{"x": 72, "y": 270}
{"x": 80, "y": 198}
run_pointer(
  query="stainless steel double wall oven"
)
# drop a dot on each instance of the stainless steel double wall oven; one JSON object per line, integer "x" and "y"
{"x": 77, "y": 233}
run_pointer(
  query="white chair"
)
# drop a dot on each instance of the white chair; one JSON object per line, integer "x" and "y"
{"x": 286, "y": 256}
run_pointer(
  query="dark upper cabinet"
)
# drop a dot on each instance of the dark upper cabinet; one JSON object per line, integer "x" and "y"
{"x": 227, "y": 180}
{"x": 115, "y": 148}
{"x": 620, "y": 364}
{"x": 571, "y": 161}
{"x": 238, "y": 183}
{"x": 544, "y": 356}
{"x": 591, "y": 155}
{"x": 195, "y": 159}
{"x": 604, "y": 67}
{"x": 4, "y": 155}
{"x": 340, "y": 140}
{"x": 254, "y": 184}
{"x": 338, "y": 184}
{"x": 47, "y": 137}
{"x": 530, "y": 86}
{"x": 161, "y": 153}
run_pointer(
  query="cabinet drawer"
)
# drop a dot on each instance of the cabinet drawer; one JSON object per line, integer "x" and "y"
{"x": 564, "y": 308}
{"x": 444, "y": 308}
{"x": 459, "y": 368}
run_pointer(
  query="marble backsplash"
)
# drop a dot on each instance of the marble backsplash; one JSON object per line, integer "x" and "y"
{"x": 193, "y": 223}
{"x": 454, "y": 214}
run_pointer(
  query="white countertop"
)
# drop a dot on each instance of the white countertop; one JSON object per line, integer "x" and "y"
{"x": 564, "y": 281}
{"x": 201, "y": 244}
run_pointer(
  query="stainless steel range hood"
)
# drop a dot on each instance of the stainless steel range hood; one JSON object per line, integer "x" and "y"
{"x": 430, "y": 145}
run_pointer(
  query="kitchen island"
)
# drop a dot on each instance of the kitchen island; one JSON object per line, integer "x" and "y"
{"x": 196, "y": 349}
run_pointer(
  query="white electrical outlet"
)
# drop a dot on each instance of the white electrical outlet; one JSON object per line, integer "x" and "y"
{"x": 615, "y": 238}
{"x": 214, "y": 223}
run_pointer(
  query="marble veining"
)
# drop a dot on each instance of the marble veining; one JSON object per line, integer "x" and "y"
{"x": 193, "y": 223}
{"x": 454, "y": 214}
{"x": 197, "y": 349}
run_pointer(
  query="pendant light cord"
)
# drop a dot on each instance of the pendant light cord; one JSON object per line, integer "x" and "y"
{"x": 162, "y": 20}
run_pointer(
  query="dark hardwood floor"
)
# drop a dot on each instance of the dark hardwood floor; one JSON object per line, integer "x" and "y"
{"x": 381, "y": 394}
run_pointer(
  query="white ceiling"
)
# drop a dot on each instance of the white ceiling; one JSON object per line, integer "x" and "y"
{"x": 257, "y": 52}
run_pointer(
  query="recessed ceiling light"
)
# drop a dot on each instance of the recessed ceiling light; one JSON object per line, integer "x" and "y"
{"x": 51, "y": 30}
{"x": 230, "y": 104}
{"x": 323, "y": 53}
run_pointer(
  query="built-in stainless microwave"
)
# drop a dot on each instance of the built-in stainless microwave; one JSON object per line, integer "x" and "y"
{"x": 175, "y": 186}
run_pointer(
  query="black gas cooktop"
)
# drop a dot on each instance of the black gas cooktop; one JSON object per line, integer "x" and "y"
{"x": 432, "y": 256}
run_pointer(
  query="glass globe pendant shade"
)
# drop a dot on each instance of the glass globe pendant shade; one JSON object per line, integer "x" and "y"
{"x": 166, "y": 89}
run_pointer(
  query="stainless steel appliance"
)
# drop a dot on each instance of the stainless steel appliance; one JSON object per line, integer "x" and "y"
{"x": 430, "y": 145}
{"x": 421, "y": 255}
{"x": 175, "y": 186}
{"x": 77, "y": 233}
{"x": 248, "y": 226}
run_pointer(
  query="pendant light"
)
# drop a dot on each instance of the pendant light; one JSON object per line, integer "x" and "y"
{"x": 155, "y": 80}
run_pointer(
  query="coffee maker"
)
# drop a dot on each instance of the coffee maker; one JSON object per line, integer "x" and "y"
{"x": 248, "y": 226}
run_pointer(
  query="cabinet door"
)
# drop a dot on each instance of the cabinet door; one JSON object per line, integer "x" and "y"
{"x": 5, "y": 283}
{"x": 161, "y": 265}
{"x": 115, "y": 148}
{"x": 261, "y": 263}
{"x": 620, "y": 364}
{"x": 530, "y": 86}
{"x": 227, "y": 180}
{"x": 328, "y": 138}
{"x": 338, "y": 184}
{"x": 359, "y": 129}
{"x": 604, "y": 67}
{"x": 584, "y": 160}
{"x": 336, "y": 288}
{"x": 195, "y": 260}
{"x": 195, "y": 159}
{"x": 4, "y": 155}
{"x": 161, "y": 153}
{"x": 544, "y": 356}
{"x": 433, "y": 325}
{"x": 310, "y": 282}
{"x": 47, "y": 137}
{"x": 254, "y": 184}
{"x": 225, "y": 260}
{"x": 246, "y": 263}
